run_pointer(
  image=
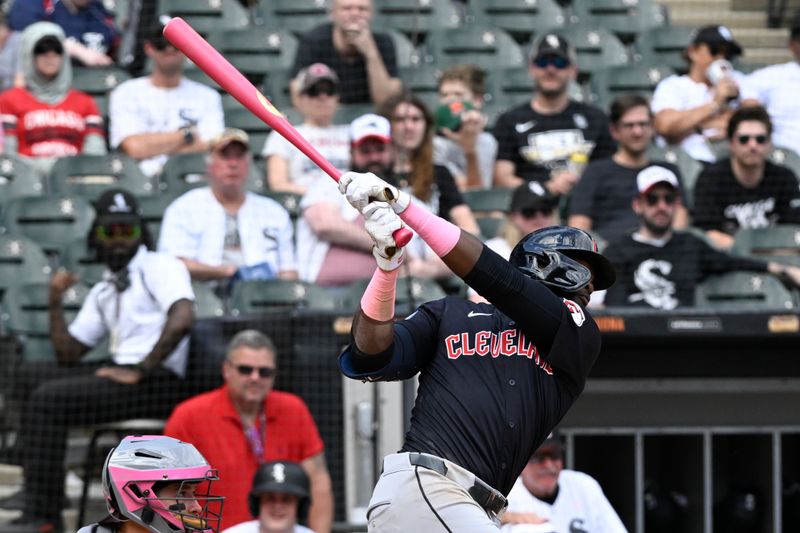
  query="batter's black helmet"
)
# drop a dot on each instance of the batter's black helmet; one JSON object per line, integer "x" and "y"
{"x": 281, "y": 477}
{"x": 550, "y": 255}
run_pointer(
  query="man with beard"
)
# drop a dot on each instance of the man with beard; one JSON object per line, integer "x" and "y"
{"x": 658, "y": 267}
{"x": 331, "y": 239}
{"x": 143, "y": 307}
{"x": 601, "y": 202}
{"x": 550, "y": 138}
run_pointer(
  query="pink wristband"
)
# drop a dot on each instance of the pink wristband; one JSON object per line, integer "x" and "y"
{"x": 441, "y": 235}
{"x": 378, "y": 299}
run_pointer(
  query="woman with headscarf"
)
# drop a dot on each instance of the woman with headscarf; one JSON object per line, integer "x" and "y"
{"x": 47, "y": 119}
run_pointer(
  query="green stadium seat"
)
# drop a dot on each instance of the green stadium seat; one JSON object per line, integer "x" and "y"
{"x": 206, "y": 15}
{"x": 779, "y": 243}
{"x": 18, "y": 178}
{"x": 193, "y": 73}
{"x": 416, "y": 18}
{"x": 689, "y": 168}
{"x": 206, "y": 303}
{"x": 518, "y": 17}
{"x": 258, "y": 297}
{"x": 53, "y": 222}
{"x": 639, "y": 78}
{"x": 276, "y": 88}
{"x": 484, "y": 46}
{"x": 490, "y": 226}
{"x": 744, "y": 291}
{"x": 665, "y": 46}
{"x": 29, "y": 320}
{"x": 90, "y": 175}
{"x": 489, "y": 200}
{"x": 422, "y": 80}
{"x": 625, "y": 18}
{"x": 349, "y": 112}
{"x": 98, "y": 82}
{"x": 257, "y": 50}
{"x": 296, "y": 16}
{"x": 21, "y": 261}
{"x": 411, "y": 293}
{"x": 183, "y": 172}
{"x": 405, "y": 51}
{"x": 152, "y": 209}
{"x": 596, "y": 47}
{"x": 787, "y": 158}
{"x": 289, "y": 200}
{"x": 79, "y": 259}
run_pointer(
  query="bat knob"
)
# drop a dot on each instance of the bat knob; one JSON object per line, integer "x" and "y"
{"x": 402, "y": 237}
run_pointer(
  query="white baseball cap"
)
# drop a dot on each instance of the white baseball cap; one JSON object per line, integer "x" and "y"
{"x": 370, "y": 126}
{"x": 653, "y": 175}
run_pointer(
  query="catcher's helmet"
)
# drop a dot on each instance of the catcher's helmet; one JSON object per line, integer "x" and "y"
{"x": 550, "y": 255}
{"x": 140, "y": 466}
{"x": 281, "y": 477}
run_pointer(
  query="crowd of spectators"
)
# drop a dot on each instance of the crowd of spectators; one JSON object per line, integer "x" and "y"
{"x": 566, "y": 161}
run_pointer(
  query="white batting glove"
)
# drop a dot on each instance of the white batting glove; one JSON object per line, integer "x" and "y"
{"x": 361, "y": 189}
{"x": 381, "y": 222}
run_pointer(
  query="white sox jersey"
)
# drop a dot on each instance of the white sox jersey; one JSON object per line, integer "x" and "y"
{"x": 580, "y": 507}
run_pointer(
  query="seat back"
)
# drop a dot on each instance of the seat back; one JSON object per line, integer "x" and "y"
{"x": 79, "y": 259}
{"x": 640, "y": 78}
{"x": 206, "y": 15}
{"x": 625, "y": 18}
{"x": 411, "y": 293}
{"x": 489, "y": 200}
{"x": 690, "y": 168}
{"x": 518, "y": 17}
{"x": 22, "y": 261}
{"x": 98, "y": 82}
{"x": 416, "y": 18}
{"x": 256, "y": 50}
{"x": 90, "y": 175}
{"x": 269, "y": 296}
{"x": 52, "y": 221}
{"x": 596, "y": 48}
{"x": 288, "y": 200}
{"x": 779, "y": 243}
{"x": 422, "y": 80}
{"x": 206, "y": 303}
{"x": 18, "y": 178}
{"x": 296, "y": 16}
{"x": 665, "y": 45}
{"x": 787, "y": 158}
{"x": 745, "y": 291}
{"x": 183, "y": 172}
{"x": 152, "y": 210}
{"x": 484, "y": 46}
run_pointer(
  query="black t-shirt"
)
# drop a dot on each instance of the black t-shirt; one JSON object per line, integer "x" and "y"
{"x": 722, "y": 203}
{"x": 664, "y": 275}
{"x": 537, "y": 143}
{"x": 493, "y": 380}
{"x": 445, "y": 194}
{"x": 604, "y": 194}
{"x": 316, "y": 46}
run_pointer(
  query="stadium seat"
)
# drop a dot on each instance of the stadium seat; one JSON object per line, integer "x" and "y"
{"x": 256, "y": 297}
{"x": 787, "y": 158}
{"x": 186, "y": 171}
{"x": 489, "y": 200}
{"x": 79, "y": 259}
{"x": 689, "y": 168}
{"x": 98, "y": 82}
{"x": 53, "y": 222}
{"x": 422, "y": 80}
{"x": 489, "y": 226}
{"x": 625, "y": 18}
{"x": 416, "y": 18}
{"x": 289, "y": 200}
{"x": 411, "y": 293}
{"x": 779, "y": 243}
{"x": 18, "y": 178}
{"x": 744, "y": 291}
{"x": 405, "y": 51}
{"x": 518, "y": 17}
{"x": 484, "y": 46}
{"x": 349, "y": 112}
{"x": 152, "y": 209}
{"x": 296, "y": 16}
{"x": 193, "y": 73}
{"x": 639, "y": 78}
{"x": 90, "y": 175}
{"x": 276, "y": 88}
{"x": 29, "y": 318}
{"x": 21, "y": 261}
{"x": 596, "y": 47}
{"x": 206, "y": 15}
{"x": 255, "y": 51}
{"x": 665, "y": 46}
{"x": 206, "y": 303}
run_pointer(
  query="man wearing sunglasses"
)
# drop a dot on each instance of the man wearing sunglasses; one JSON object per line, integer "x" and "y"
{"x": 163, "y": 113}
{"x": 658, "y": 267}
{"x": 143, "y": 308}
{"x": 745, "y": 190}
{"x": 550, "y": 499}
{"x": 549, "y": 138}
{"x": 246, "y": 423}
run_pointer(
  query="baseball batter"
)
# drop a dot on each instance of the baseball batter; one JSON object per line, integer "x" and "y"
{"x": 494, "y": 378}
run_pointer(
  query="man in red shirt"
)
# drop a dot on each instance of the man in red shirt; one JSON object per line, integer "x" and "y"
{"x": 245, "y": 423}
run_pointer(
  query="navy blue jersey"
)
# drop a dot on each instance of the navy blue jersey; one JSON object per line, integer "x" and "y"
{"x": 492, "y": 383}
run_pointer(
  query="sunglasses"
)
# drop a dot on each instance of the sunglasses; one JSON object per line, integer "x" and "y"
{"x": 540, "y": 457}
{"x": 327, "y": 89}
{"x": 161, "y": 44}
{"x": 745, "y": 139}
{"x": 118, "y": 232}
{"x": 653, "y": 199}
{"x": 530, "y": 212}
{"x": 371, "y": 148}
{"x": 263, "y": 371}
{"x": 556, "y": 61}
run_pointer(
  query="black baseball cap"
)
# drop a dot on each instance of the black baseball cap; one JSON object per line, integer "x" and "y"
{"x": 531, "y": 195}
{"x": 552, "y": 445}
{"x": 117, "y": 206}
{"x": 716, "y": 36}
{"x": 552, "y": 44}
{"x": 48, "y": 43}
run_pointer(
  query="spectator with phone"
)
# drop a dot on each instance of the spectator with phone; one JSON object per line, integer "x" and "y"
{"x": 461, "y": 144}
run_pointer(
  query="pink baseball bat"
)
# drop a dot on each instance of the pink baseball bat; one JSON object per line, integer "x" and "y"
{"x": 219, "y": 69}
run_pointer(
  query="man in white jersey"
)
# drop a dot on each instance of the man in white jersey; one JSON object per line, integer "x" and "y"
{"x": 548, "y": 499}
{"x": 155, "y": 116}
